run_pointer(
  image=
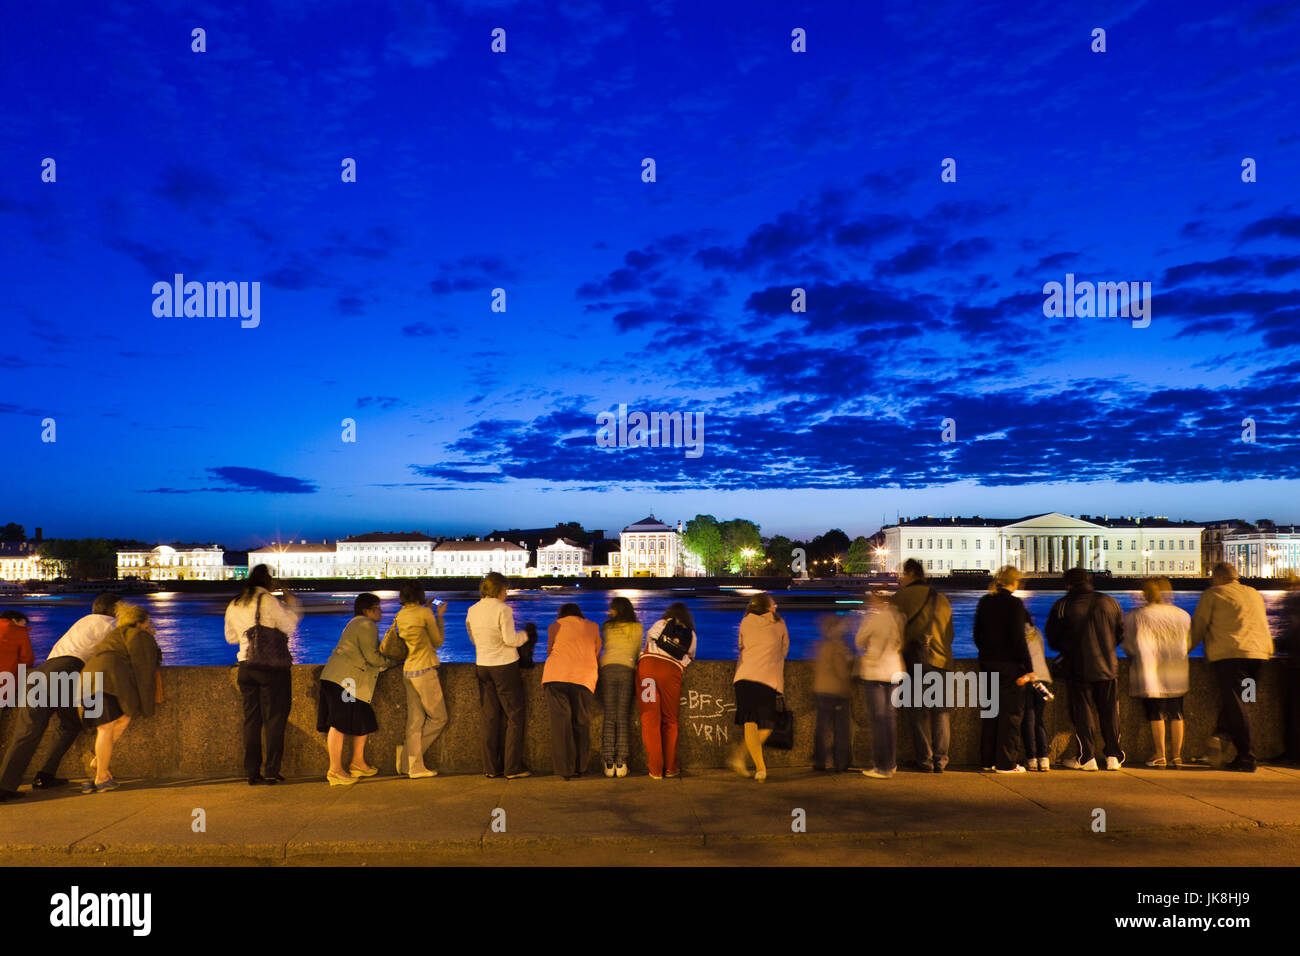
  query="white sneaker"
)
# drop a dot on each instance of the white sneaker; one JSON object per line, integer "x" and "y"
{"x": 620, "y": 770}
{"x": 1044, "y": 763}
{"x": 1018, "y": 769}
{"x": 1090, "y": 765}
{"x": 1112, "y": 763}
{"x": 875, "y": 774}
{"x": 402, "y": 768}
{"x": 1071, "y": 763}
{"x": 609, "y": 769}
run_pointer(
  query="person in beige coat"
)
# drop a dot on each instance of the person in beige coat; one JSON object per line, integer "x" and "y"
{"x": 123, "y": 670}
{"x": 1231, "y": 622}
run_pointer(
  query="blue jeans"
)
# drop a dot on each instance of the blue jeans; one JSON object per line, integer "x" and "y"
{"x": 884, "y": 726}
{"x": 832, "y": 721}
{"x": 1032, "y": 731}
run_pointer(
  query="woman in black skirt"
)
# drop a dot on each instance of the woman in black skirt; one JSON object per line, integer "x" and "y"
{"x": 760, "y": 678}
{"x": 347, "y": 685}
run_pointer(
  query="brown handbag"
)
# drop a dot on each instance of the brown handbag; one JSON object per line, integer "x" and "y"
{"x": 392, "y": 646}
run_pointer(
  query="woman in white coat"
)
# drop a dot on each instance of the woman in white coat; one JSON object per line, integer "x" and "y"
{"x": 1157, "y": 638}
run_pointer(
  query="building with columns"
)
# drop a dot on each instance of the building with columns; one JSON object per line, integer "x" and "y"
{"x": 563, "y": 557}
{"x": 1264, "y": 553}
{"x": 650, "y": 548}
{"x": 1047, "y": 544}
{"x": 175, "y": 563}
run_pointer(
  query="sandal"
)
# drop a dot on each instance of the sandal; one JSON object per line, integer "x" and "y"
{"x": 1156, "y": 762}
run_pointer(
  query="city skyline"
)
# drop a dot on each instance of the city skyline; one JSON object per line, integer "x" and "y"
{"x": 927, "y": 373}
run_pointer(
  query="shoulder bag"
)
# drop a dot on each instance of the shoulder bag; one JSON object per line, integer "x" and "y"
{"x": 782, "y": 735}
{"x": 268, "y": 647}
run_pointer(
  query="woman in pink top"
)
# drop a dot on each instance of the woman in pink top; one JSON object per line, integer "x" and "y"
{"x": 569, "y": 679}
{"x": 760, "y": 677}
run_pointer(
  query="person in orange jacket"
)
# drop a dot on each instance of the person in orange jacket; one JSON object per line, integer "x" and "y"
{"x": 15, "y": 642}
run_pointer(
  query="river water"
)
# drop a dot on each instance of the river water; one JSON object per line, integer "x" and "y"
{"x": 191, "y": 627}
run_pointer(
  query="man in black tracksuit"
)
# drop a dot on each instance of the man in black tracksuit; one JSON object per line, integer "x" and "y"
{"x": 1000, "y": 621}
{"x": 1085, "y": 627}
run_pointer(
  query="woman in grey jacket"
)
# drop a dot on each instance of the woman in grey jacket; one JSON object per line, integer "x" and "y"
{"x": 347, "y": 685}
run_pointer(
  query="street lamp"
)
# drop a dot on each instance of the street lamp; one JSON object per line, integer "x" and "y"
{"x": 747, "y": 553}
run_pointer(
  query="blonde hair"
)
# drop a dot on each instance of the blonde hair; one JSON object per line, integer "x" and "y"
{"x": 1008, "y": 577}
{"x": 493, "y": 585}
{"x": 130, "y": 614}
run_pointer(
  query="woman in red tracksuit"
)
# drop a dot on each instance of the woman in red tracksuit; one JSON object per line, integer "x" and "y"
{"x": 659, "y": 688}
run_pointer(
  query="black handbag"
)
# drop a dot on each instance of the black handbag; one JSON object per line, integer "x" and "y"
{"x": 268, "y": 647}
{"x": 782, "y": 735}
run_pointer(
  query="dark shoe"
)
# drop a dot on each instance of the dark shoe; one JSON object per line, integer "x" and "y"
{"x": 491, "y": 776}
{"x": 1242, "y": 766}
{"x": 818, "y": 769}
{"x": 271, "y": 781}
{"x": 47, "y": 781}
{"x": 254, "y": 780}
{"x": 10, "y": 795}
{"x": 938, "y": 769}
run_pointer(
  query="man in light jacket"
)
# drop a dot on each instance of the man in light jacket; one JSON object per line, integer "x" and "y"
{"x": 927, "y": 645}
{"x": 1231, "y": 621}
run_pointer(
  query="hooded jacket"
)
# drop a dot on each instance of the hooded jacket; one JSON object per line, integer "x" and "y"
{"x": 1085, "y": 627}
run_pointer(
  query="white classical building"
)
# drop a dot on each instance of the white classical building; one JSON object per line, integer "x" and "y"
{"x": 180, "y": 563}
{"x": 476, "y": 558}
{"x": 386, "y": 554}
{"x": 1264, "y": 553}
{"x": 1047, "y": 544}
{"x": 563, "y": 557}
{"x": 21, "y": 561}
{"x": 650, "y": 548}
{"x": 297, "y": 559}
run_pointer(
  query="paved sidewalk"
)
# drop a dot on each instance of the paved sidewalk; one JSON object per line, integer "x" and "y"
{"x": 1192, "y": 817}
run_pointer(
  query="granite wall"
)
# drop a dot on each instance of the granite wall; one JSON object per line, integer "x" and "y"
{"x": 196, "y": 731}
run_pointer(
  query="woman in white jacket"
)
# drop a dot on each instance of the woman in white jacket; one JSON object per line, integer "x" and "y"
{"x": 265, "y": 690}
{"x": 880, "y": 639}
{"x": 1157, "y": 638}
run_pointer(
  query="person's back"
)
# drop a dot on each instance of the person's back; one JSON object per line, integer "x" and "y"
{"x": 491, "y": 626}
{"x": 764, "y": 641}
{"x": 572, "y": 652}
{"x": 1157, "y": 638}
{"x": 422, "y": 632}
{"x": 1232, "y": 622}
{"x": 1085, "y": 626}
{"x": 83, "y": 637}
{"x": 927, "y": 632}
{"x": 880, "y": 639}
{"x": 621, "y": 643}
{"x": 833, "y": 666}
{"x": 1000, "y": 621}
{"x": 15, "y": 646}
{"x": 127, "y": 660}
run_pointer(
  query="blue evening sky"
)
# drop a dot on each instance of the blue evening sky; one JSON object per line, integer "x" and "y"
{"x": 523, "y": 171}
